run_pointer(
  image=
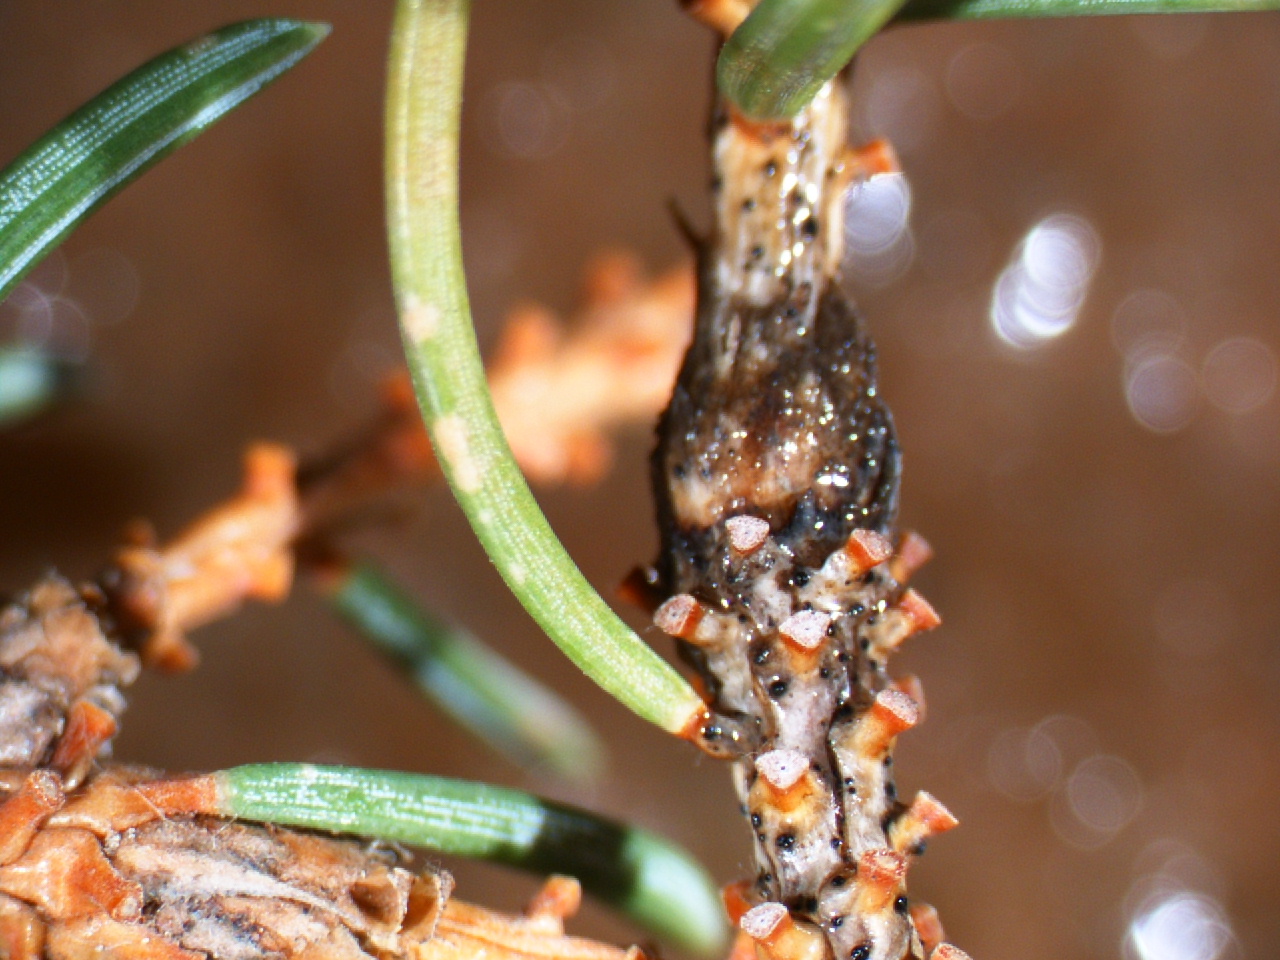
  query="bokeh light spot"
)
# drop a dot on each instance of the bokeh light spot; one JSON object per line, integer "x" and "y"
{"x": 1105, "y": 794}
{"x": 1039, "y": 294}
{"x": 107, "y": 283}
{"x": 530, "y": 120}
{"x": 902, "y": 104}
{"x": 1024, "y": 764}
{"x": 1181, "y": 926}
{"x": 983, "y": 80}
{"x": 1162, "y": 393}
{"x": 1239, "y": 375}
{"x": 878, "y": 239}
{"x": 1146, "y": 324}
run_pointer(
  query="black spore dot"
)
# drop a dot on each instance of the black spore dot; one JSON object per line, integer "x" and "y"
{"x": 837, "y": 923}
{"x": 800, "y": 578}
{"x": 860, "y": 952}
{"x": 838, "y": 882}
{"x": 778, "y": 689}
{"x": 900, "y": 905}
{"x": 786, "y": 842}
{"x": 755, "y": 820}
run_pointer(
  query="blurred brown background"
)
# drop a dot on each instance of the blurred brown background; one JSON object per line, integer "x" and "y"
{"x": 1103, "y": 502}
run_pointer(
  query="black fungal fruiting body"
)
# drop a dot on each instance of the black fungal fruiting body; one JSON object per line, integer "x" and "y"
{"x": 776, "y": 477}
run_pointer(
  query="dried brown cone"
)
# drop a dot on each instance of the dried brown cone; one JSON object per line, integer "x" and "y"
{"x": 60, "y": 680}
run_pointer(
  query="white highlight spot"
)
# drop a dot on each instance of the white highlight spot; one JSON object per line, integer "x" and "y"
{"x": 678, "y": 615}
{"x": 421, "y": 320}
{"x": 451, "y": 442}
{"x": 897, "y": 705}
{"x": 1039, "y": 294}
{"x": 1181, "y": 926}
{"x": 747, "y": 533}
{"x": 758, "y": 922}
{"x": 877, "y": 232}
{"x": 782, "y": 768}
{"x": 877, "y": 214}
{"x": 805, "y": 629}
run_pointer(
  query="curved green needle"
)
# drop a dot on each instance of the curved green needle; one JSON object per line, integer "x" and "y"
{"x": 424, "y": 102}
